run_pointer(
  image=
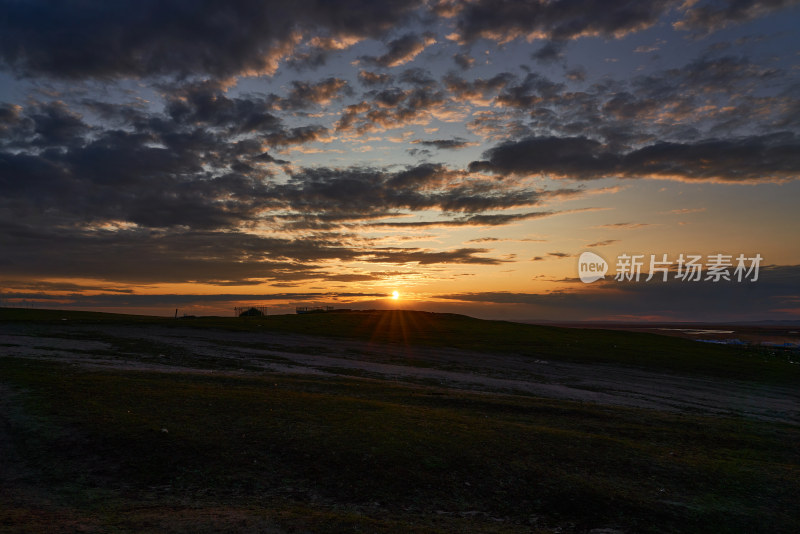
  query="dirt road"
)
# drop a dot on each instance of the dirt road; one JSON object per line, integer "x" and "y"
{"x": 163, "y": 349}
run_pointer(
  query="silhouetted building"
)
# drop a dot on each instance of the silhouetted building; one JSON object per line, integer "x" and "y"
{"x": 252, "y": 311}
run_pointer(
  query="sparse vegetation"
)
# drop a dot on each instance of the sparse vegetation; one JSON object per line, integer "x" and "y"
{"x": 131, "y": 451}
{"x": 463, "y": 332}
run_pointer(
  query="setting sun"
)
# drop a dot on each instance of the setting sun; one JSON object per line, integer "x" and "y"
{"x": 395, "y": 295}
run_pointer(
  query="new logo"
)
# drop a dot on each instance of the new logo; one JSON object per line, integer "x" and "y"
{"x": 591, "y": 267}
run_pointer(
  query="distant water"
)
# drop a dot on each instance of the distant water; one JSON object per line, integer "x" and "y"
{"x": 695, "y": 331}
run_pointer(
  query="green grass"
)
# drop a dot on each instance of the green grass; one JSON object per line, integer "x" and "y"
{"x": 645, "y": 350}
{"x": 297, "y": 454}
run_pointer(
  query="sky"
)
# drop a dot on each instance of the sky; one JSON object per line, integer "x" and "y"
{"x": 174, "y": 154}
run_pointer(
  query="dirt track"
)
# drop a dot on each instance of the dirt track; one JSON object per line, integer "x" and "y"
{"x": 213, "y": 351}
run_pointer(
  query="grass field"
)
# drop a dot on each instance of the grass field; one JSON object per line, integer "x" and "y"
{"x": 88, "y": 450}
{"x": 462, "y": 332}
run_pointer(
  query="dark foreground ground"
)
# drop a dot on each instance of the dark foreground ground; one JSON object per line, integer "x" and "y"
{"x": 388, "y": 422}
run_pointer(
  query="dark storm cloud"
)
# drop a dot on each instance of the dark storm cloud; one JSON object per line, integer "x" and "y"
{"x": 773, "y": 295}
{"x": 770, "y": 157}
{"x": 166, "y": 37}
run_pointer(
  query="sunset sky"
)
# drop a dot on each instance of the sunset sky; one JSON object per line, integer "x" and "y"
{"x": 163, "y": 154}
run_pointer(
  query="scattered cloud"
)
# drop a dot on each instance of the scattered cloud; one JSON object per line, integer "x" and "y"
{"x": 550, "y": 52}
{"x": 305, "y": 95}
{"x": 374, "y": 78}
{"x": 464, "y": 61}
{"x": 462, "y": 256}
{"x": 402, "y": 50}
{"x": 445, "y": 144}
{"x": 603, "y": 243}
{"x": 268, "y": 145}
{"x": 623, "y": 226}
{"x": 707, "y": 17}
{"x": 755, "y": 158}
{"x": 685, "y": 211}
{"x": 156, "y": 37}
{"x": 557, "y": 21}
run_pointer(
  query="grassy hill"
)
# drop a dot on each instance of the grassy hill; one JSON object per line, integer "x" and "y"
{"x": 113, "y": 451}
{"x": 105, "y": 450}
{"x": 650, "y": 351}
